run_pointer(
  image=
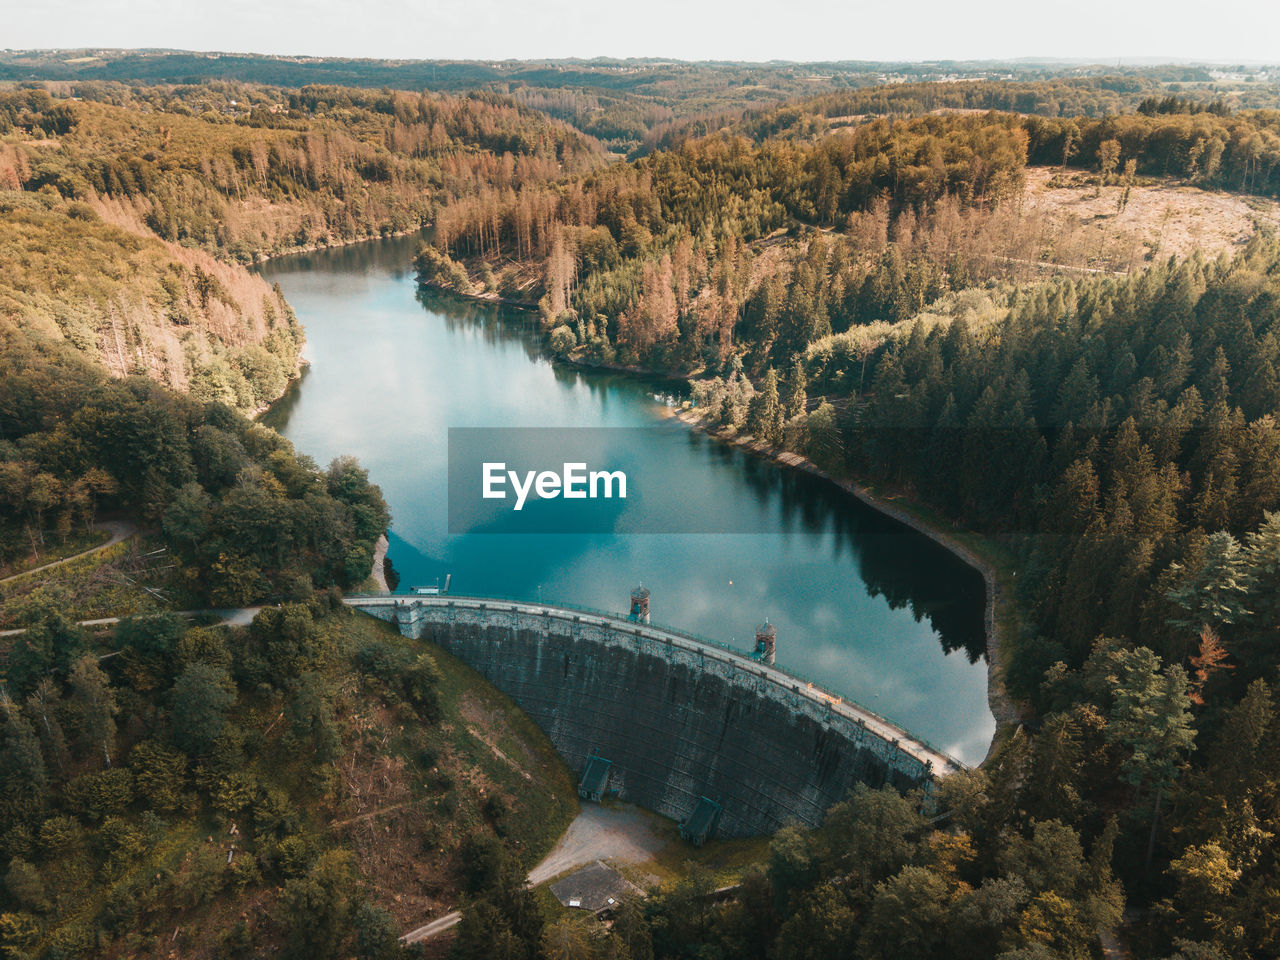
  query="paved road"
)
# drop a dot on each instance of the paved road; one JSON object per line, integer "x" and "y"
{"x": 120, "y": 530}
{"x": 618, "y": 832}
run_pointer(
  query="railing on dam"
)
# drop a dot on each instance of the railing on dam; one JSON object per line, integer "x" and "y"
{"x": 937, "y": 761}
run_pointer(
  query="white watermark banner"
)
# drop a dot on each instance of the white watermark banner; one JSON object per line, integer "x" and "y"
{"x": 588, "y": 480}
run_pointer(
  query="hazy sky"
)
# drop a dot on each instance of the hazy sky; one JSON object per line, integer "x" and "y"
{"x": 1231, "y": 30}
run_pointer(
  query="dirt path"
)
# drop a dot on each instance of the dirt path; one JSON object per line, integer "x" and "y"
{"x": 238, "y": 617}
{"x": 620, "y": 833}
{"x": 433, "y": 929}
{"x": 338, "y": 824}
{"x": 120, "y": 530}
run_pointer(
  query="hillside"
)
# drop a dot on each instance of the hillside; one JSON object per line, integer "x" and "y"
{"x": 654, "y": 263}
{"x": 243, "y": 516}
{"x": 125, "y": 216}
{"x": 636, "y": 105}
{"x": 980, "y": 313}
{"x": 140, "y": 305}
{"x": 1053, "y": 329}
{"x": 312, "y": 786}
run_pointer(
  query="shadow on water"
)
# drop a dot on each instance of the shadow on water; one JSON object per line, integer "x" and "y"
{"x": 909, "y": 570}
{"x": 390, "y": 256}
{"x": 277, "y": 415}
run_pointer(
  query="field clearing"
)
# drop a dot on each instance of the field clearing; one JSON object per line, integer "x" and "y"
{"x": 1161, "y": 219}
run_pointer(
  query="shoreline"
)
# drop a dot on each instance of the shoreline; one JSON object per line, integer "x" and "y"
{"x": 1002, "y": 707}
{"x": 302, "y": 363}
{"x": 580, "y": 362}
{"x": 261, "y": 258}
{"x": 478, "y": 297}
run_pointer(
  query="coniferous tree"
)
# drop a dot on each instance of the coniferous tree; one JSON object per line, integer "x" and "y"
{"x": 795, "y": 398}
{"x": 764, "y": 412}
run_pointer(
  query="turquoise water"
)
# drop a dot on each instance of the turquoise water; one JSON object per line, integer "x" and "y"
{"x": 863, "y": 606}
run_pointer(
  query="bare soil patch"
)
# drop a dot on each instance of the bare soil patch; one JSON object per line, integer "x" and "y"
{"x": 1161, "y": 219}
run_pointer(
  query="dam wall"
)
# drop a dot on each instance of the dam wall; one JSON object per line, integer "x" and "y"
{"x": 678, "y": 718}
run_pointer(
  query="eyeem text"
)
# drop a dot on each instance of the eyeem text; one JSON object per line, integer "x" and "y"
{"x": 573, "y": 482}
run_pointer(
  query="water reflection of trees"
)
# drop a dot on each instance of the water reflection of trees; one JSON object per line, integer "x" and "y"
{"x": 277, "y": 415}
{"x": 392, "y": 255}
{"x": 906, "y": 568}
{"x": 909, "y": 570}
{"x": 503, "y": 323}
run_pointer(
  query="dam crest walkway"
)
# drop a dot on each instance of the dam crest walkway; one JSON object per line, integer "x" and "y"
{"x": 937, "y": 762}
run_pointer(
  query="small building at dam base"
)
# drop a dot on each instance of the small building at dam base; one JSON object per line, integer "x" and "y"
{"x": 679, "y": 720}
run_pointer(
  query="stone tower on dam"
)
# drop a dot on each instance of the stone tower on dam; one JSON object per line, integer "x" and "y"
{"x": 678, "y": 720}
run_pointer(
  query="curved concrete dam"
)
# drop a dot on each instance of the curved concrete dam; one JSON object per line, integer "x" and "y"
{"x": 678, "y": 718}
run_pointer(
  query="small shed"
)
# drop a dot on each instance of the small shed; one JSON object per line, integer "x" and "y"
{"x": 595, "y": 779}
{"x": 596, "y": 887}
{"x": 702, "y": 822}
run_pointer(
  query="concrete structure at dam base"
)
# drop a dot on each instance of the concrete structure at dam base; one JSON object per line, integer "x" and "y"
{"x": 678, "y": 723}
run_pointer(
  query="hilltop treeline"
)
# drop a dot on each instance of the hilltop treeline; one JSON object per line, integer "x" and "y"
{"x": 678, "y": 260}
{"x": 1239, "y": 151}
{"x": 1055, "y": 97}
{"x": 732, "y": 186}
{"x": 649, "y": 262}
{"x": 279, "y": 169}
{"x": 1202, "y": 141}
{"x": 639, "y": 105}
{"x": 246, "y": 516}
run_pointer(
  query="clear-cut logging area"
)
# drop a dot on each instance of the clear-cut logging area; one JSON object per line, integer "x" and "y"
{"x": 673, "y": 723}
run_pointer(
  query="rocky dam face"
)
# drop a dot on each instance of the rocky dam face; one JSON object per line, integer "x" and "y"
{"x": 677, "y": 719}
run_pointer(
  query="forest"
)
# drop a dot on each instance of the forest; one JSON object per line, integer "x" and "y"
{"x": 637, "y": 106}
{"x": 670, "y": 262}
{"x": 832, "y": 292}
{"x": 247, "y": 518}
{"x": 127, "y": 212}
{"x": 175, "y": 784}
{"x": 245, "y": 172}
{"x": 1118, "y": 436}
{"x": 852, "y": 277}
